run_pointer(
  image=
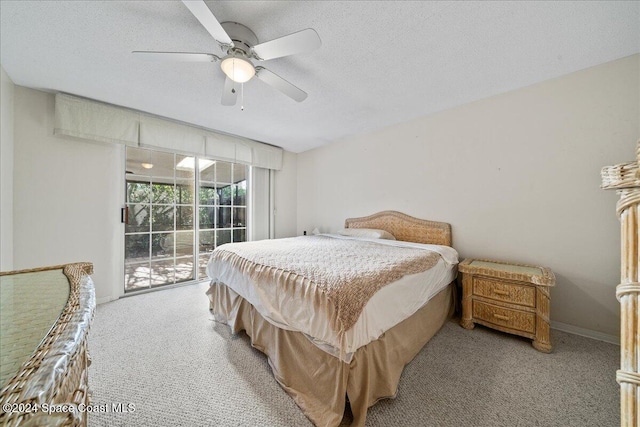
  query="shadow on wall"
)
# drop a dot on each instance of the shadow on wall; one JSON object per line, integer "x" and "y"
{"x": 577, "y": 300}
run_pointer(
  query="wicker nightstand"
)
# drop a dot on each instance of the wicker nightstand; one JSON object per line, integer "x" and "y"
{"x": 511, "y": 298}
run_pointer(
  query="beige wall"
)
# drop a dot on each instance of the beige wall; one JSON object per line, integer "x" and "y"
{"x": 6, "y": 171}
{"x": 517, "y": 175}
{"x": 67, "y": 196}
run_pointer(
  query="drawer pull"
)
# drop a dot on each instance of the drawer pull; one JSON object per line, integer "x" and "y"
{"x": 501, "y": 317}
{"x": 499, "y": 292}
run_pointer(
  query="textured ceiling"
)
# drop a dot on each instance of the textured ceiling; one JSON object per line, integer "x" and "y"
{"x": 380, "y": 62}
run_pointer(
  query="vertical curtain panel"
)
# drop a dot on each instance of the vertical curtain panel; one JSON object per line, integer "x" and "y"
{"x": 261, "y": 210}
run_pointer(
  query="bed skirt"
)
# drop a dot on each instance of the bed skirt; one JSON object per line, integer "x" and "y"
{"x": 319, "y": 382}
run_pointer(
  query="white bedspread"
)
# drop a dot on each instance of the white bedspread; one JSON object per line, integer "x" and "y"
{"x": 388, "y": 307}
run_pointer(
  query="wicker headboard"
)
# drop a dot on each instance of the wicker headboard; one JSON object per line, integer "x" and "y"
{"x": 405, "y": 227}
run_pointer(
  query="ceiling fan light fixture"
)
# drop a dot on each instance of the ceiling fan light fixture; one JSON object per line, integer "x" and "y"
{"x": 238, "y": 69}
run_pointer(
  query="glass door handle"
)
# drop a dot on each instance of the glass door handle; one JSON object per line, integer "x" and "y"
{"x": 124, "y": 215}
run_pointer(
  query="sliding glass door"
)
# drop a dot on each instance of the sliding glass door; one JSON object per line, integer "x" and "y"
{"x": 222, "y": 208}
{"x": 175, "y": 216}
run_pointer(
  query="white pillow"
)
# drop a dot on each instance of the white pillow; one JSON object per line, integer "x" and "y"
{"x": 369, "y": 233}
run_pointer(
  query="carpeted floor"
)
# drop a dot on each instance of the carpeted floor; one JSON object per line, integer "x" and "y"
{"x": 162, "y": 353}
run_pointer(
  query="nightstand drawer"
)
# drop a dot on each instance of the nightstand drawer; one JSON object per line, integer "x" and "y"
{"x": 502, "y": 291}
{"x": 513, "y": 319}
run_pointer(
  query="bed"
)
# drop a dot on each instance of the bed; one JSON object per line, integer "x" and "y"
{"x": 335, "y": 330}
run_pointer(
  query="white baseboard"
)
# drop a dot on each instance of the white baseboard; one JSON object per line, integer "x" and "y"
{"x": 147, "y": 290}
{"x": 612, "y": 339}
{"x": 104, "y": 299}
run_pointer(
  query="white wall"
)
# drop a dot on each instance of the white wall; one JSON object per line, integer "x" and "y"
{"x": 6, "y": 171}
{"x": 286, "y": 187}
{"x": 517, "y": 175}
{"x": 68, "y": 195}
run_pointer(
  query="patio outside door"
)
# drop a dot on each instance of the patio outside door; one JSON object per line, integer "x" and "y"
{"x": 160, "y": 231}
{"x": 177, "y": 217}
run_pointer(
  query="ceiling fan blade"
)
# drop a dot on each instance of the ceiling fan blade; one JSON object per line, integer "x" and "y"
{"x": 229, "y": 95}
{"x": 175, "y": 56}
{"x": 281, "y": 84}
{"x": 302, "y": 41}
{"x": 208, "y": 20}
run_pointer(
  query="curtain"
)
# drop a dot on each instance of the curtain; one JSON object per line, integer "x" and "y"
{"x": 260, "y": 210}
{"x": 96, "y": 121}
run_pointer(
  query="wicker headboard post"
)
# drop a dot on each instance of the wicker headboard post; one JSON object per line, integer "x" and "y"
{"x": 405, "y": 227}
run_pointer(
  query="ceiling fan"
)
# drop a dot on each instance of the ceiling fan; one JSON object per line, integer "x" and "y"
{"x": 241, "y": 47}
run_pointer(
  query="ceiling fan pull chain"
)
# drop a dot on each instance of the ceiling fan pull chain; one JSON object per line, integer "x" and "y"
{"x": 241, "y": 96}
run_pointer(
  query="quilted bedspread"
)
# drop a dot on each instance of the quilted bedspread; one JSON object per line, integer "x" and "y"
{"x": 338, "y": 276}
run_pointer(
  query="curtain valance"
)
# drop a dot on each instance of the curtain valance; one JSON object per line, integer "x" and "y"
{"x": 96, "y": 121}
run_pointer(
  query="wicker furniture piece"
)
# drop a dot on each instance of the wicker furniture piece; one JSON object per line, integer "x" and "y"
{"x": 46, "y": 314}
{"x": 625, "y": 179}
{"x": 405, "y": 227}
{"x": 511, "y": 298}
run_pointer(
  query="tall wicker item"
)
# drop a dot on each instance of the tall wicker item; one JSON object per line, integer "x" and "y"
{"x": 625, "y": 178}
